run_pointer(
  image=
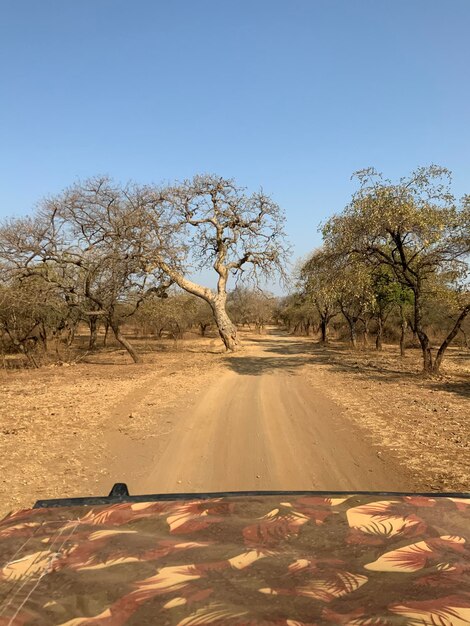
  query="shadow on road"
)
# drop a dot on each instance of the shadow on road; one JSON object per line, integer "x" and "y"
{"x": 291, "y": 353}
{"x": 258, "y": 365}
{"x": 287, "y": 355}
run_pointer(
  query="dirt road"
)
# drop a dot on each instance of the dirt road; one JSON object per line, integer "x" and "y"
{"x": 258, "y": 426}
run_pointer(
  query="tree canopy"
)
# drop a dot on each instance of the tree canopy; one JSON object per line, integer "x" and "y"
{"x": 416, "y": 228}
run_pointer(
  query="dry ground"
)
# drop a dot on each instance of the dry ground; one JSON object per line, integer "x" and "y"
{"x": 56, "y": 422}
{"x": 424, "y": 423}
{"x": 291, "y": 415}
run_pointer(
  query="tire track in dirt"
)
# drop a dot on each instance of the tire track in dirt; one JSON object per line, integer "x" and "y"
{"x": 261, "y": 426}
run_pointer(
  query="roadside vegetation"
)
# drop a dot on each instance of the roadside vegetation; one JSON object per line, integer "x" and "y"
{"x": 100, "y": 250}
{"x": 120, "y": 260}
{"x": 397, "y": 250}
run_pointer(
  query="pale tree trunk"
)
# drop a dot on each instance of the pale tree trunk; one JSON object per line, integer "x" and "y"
{"x": 43, "y": 338}
{"x": 227, "y": 330}
{"x": 71, "y": 334}
{"x": 465, "y": 339}
{"x": 353, "y": 335}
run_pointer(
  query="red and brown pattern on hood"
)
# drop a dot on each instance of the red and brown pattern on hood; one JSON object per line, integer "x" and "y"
{"x": 354, "y": 560}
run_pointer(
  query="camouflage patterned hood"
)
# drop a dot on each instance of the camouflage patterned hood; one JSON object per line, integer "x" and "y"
{"x": 271, "y": 560}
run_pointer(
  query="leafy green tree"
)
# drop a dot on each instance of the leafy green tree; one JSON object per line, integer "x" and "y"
{"x": 321, "y": 287}
{"x": 354, "y": 295}
{"x": 388, "y": 294}
{"x": 415, "y": 228}
{"x": 296, "y": 312}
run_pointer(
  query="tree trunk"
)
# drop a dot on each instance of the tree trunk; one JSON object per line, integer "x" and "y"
{"x": 427, "y": 352}
{"x": 412, "y": 326}
{"x": 124, "y": 343}
{"x": 71, "y": 334}
{"x": 423, "y": 338}
{"x": 352, "y": 332}
{"x": 43, "y": 337}
{"x": 353, "y": 335}
{"x": 227, "y": 330}
{"x": 352, "y": 322}
{"x": 402, "y": 335}
{"x": 93, "y": 326}
{"x": 378, "y": 339}
{"x": 105, "y": 338}
{"x": 445, "y": 344}
{"x": 324, "y": 330}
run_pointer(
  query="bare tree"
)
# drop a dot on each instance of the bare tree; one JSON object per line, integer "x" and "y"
{"x": 174, "y": 314}
{"x": 354, "y": 297}
{"x": 202, "y": 315}
{"x": 107, "y": 245}
{"x": 252, "y": 307}
{"x": 209, "y": 222}
{"x": 83, "y": 241}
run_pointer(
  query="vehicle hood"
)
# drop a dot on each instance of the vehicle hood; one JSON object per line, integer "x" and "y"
{"x": 281, "y": 559}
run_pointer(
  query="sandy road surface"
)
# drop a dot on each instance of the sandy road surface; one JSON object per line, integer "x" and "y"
{"x": 259, "y": 426}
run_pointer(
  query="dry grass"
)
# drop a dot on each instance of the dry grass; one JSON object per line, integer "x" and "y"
{"x": 55, "y": 422}
{"x": 423, "y": 422}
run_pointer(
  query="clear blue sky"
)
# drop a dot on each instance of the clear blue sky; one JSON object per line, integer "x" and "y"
{"x": 290, "y": 95}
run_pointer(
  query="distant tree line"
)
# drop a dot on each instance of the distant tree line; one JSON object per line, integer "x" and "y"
{"x": 108, "y": 256}
{"x": 37, "y": 323}
{"x": 101, "y": 252}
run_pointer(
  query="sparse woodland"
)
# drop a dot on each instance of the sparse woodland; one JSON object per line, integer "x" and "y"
{"x": 117, "y": 262}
